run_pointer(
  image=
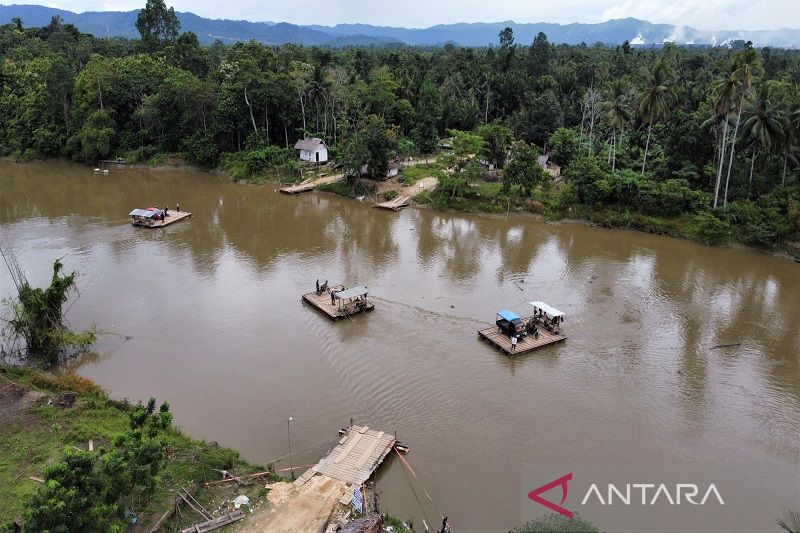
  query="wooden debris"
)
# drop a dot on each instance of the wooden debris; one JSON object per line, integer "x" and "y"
{"x": 215, "y": 523}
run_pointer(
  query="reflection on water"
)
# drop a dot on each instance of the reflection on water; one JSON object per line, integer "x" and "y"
{"x": 212, "y": 306}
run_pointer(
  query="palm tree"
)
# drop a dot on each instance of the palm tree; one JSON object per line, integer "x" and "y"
{"x": 764, "y": 125}
{"x": 725, "y": 90}
{"x": 654, "y": 103}
{"x": 748, "y": 66}
{"x": 790, "y": 521}
{"x": 617, "y": 112}
{"x": 791, "y": 139}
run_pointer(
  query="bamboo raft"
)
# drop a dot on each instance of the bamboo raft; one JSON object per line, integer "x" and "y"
{"x": 174, "y": 216}
{"x": 526, "y": 344}
{"x": 395, "y": 205}
{"x": 354, "y": 459}
{"x": 340, "y": 309}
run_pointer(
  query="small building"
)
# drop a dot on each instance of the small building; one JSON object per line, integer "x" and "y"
{"x": 394, "y": 168}
{"x": 550, "y": 167}
{"x": 313, "y": 150}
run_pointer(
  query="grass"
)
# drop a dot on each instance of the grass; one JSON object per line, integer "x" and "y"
{"x": 32, "y": 439}
{"x": 348, "y": 188}
{"x": 411, "y": 175}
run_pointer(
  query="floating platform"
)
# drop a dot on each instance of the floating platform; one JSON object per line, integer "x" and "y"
{"x": 296, "y": 189}
{"x": 356, "y": 456}
{"x": 397, "y": 204}
{"x": 525, "y": 344}
{"x": 344, "y": 307}
{"x": 174, "y": 216}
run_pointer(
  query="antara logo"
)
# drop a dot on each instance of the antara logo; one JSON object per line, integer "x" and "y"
{"x": 650, "y": 494}
{"x": 562, "y": 481}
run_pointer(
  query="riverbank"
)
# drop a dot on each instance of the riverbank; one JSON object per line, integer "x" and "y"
{"x": 751, "y": 229}
{"x": 42, "y": 415}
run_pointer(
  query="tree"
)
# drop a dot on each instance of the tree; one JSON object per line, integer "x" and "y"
{"x": 157, "y": 25}
{"x": 565, "y": 145}
{"x": 617, "y": 113}
{"x": 556, "y": 523}
{"x": 524, "y": 169}
{"x": 461, "y": 165}
{"x": 764, "y": 126}
{"x": 655, "y": 101}
{"x": 73, "y": 498}
{"x": 427, "y": 118}
{"x": 497, "y": 139}
{"x": 726, "y": 90}
{"x": 37, "y": 315}
{"x": 538, "y": 56}
{"x": 748, "y": 65}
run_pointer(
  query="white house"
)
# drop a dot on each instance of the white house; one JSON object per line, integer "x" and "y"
{"x": 313, "y": 150}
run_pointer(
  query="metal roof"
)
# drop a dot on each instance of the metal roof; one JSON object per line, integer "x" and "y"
{"x": 309, "y": 145}
{"x": 353, "y": 292}
{"x": 143, "y": 213}
{"x": 508, "y": 315}
{"x": 552, "y": 311}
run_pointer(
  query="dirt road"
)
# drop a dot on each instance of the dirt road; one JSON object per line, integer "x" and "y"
{"x": 292, "y": 509}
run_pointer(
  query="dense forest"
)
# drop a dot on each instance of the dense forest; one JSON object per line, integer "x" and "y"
{"x": 691, "y": 141}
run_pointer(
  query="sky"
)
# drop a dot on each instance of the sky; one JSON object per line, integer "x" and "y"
{"x": 701, "y": 14}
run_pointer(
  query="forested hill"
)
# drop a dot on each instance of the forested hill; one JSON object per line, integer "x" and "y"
{"x": 613, "y": 32}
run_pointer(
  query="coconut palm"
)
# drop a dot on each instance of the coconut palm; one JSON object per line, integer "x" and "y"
{"x": 748, "y": 66}
{"x": 791, "y": 139}
{"x": 655, "y": 101}
{"x": 790, "y": 521}
{"x": 764, "y": 125}
{"x": 725, "y": 91}
{"x": 617, "y": 113}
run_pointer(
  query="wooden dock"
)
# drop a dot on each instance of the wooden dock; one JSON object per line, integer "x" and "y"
{"x": 311, "y": 184}
{"x": 525, "y": 344}
{"x": 322, "y": 302}
{"x": 306, "y": 186}
{"x": 397, "y": 204}
{"x": 355, "y": 457}
{"x": 174, "y": 216}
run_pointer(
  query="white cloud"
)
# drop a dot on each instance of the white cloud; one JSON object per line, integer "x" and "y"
{"x": 712, "y": 14}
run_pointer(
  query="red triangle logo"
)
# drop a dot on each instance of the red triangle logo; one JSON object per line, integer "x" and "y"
{"x": 562, "y": 482}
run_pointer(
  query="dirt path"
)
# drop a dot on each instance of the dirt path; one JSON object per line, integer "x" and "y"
{"x": 292, "y": 509}
{"x": 393, "y": 184}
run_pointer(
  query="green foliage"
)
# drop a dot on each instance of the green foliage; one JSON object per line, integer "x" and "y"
{"x": 73, "y": 498}
{"x": 497, "y": 140}
{"x": 556, "y": 523}
{"x": 603, "y": 113}
{"x": 157, "y": 24}
{"x": 87, "y": 491}
{"x": 96, "y": 137}
{"x": 564, "y": 143}
{"x": 38, "y": 315}
{"x": 708, "y": 229}
{"x": 524, "y": 169}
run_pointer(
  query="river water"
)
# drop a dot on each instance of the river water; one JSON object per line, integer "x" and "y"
{"x": 212, "y": 308}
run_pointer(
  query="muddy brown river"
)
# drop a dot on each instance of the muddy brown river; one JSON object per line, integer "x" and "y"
{"x": 212, "y": 308}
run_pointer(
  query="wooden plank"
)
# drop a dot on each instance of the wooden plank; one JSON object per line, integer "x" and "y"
{"x": 368, "y": 452}
{"x": 346, "y": 449}
{"x": 216, "y": 523}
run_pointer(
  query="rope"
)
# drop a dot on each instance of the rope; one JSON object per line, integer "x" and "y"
{"x": 408, "y": 466}
{"x": 414, "y": 492}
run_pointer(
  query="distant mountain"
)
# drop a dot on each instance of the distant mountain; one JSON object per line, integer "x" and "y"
{"x": 123, "y": 24}
{"x": 612, "y": 32}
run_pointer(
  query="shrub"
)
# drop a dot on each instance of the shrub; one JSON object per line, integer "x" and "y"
{"x": 708, "y": 229}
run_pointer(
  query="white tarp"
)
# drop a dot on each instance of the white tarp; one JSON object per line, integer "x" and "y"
{"x": 552, "y": 311}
